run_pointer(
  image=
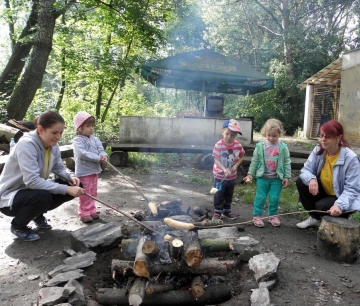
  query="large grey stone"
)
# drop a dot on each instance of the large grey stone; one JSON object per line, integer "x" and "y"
{"x": 98, "y": 237}
{"x": 246, "y": 247}
{"x": 77, "y": 261}
{"x": 62, "y": 278}
{"x": 54, "y": 295}
{"x": 223, "y": 232}
{"x": 260, "y": 297}
{"x": 77, "y": 297}
{"x": 264, "y": 266}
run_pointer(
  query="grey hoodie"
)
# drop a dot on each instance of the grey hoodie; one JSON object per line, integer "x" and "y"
{"x": 24, "y": 167}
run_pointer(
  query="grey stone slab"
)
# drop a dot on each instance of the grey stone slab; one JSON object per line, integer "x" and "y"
{"x": 264, "y": 266}
{"x": 77, "y": 297}
{"x": 224, "y": 232}
{"x": 260, "y": 297}
{"x": 98, "y": 237}
{"x": 62, "y": 278}
{"x": 51, "y": 296}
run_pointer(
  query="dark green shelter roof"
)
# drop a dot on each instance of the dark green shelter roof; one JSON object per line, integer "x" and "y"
{"x": 207, "y": 71}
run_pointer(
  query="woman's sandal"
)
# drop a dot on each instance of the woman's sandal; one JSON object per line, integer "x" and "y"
{"x": 274, "y": 221}
{"x": 258, "y": 222}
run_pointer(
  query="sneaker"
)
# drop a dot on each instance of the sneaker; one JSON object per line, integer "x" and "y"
{"x": 258, "y": 222}
{"x": 309, "y": 222}
{"x": 25, "y": 234}
{"x": 86, "y": 219}
{"x": 95, "y": 216}
{"x": 216, "y": 216}
{"x": 41, "y": 222}
{"x": 229, "y": 215}
{"x": 274, "y": 221}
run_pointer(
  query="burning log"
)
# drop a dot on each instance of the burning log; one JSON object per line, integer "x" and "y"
{"x": 152, "y": 288}
{"x": 151, "y": 249}
{"x": 197, "y": 287}
{"x": 337, "y": 239}
{"x": 128, "y": 246}
{"x": 215, "y": 294}
{"x": 209, "y": 266}
{"x": 137, "y": 292}
{"x": 176, "y": 248}
{"x": 192, "y": 250}
{"x": 141, "y": 262}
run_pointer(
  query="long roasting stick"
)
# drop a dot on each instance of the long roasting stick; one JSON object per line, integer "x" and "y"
{"x": 113, "y": 208}
{"x": 126, "y": 179}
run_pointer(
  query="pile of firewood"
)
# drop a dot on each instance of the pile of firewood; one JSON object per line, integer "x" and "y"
{"x": 168, "y": 266}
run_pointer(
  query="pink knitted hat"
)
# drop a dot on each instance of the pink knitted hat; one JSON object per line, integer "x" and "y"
{"x": 80, "y": 119}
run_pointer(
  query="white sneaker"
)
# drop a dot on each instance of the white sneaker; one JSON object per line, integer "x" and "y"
{"x": 309, "y": 222}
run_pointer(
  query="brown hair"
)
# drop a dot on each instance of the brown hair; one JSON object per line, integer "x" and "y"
{"x": 48, "y": 119}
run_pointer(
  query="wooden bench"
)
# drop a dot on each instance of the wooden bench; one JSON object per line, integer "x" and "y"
{"x": 297, "y": 157}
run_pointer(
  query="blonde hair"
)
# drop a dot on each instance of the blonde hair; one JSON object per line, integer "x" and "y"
{"x": 272, "y": 124}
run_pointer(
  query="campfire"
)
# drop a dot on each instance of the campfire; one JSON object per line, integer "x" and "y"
{"x": 164, "y": 262}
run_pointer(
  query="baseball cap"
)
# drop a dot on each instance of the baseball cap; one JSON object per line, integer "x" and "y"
{"x": 232, "y": 125}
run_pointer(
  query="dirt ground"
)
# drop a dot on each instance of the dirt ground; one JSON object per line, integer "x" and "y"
{"x": 304, "y": 277}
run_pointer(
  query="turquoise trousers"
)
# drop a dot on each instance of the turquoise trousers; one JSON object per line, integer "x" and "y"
{"x": 264, "y": 188}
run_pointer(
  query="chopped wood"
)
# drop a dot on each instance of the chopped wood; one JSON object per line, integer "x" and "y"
{"x": 210, "y": 266}
{"x": 197, "y": 287}
{"x": 151, "y": 249}
{"x": 216, "y": 245}
{"x": 141, "y": 260}
{"x": 137, "y": 292}
{"x": 176, "y": 248}
{"x": 192, "y": 250}
{"x": 338, "y": 239}
{"x": 214, "y": 294}
{"x": 153, "y": 288}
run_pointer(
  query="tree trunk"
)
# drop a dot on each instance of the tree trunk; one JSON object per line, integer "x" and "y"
{"x": 207, "y": 266}
{"x": 338, "y": 239}
{"x": 213, "y": 295}
{"x": 21, "y": 50}
{"x": 32, "y": 78}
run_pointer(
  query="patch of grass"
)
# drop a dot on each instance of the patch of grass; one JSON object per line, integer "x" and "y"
{"x": 306, "y": 145}
{"x": 356, "y": 217}
{"x": 200, "y": 181}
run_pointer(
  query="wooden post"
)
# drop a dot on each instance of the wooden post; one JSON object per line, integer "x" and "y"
{"x": 337, "y": 239}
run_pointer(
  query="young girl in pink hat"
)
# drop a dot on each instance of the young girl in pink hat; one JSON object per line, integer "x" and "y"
{"x": 89, "y": 154}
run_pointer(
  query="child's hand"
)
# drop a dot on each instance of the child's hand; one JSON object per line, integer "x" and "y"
{"x": 285, "y": 182}
{"x": 248, "y": 179}
{"x": 227, "y": 172}
{"x": 103, "y": 159}
{"x": 233, "y": 169}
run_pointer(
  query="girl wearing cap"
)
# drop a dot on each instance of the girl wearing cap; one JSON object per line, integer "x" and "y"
{"x": 25, "y": 191}
{"x": 272, "y": 167}
{"x": 89, "y": 154}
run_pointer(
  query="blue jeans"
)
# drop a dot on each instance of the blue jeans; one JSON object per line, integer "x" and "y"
{"x": 264, "y": 188}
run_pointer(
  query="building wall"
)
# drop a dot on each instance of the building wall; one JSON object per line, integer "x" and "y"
{"x": 349, "y": 106}
{"x": 177, "y": 131}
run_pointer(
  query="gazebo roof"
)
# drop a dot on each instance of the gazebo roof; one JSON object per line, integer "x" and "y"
{"x": 330, "y": 75}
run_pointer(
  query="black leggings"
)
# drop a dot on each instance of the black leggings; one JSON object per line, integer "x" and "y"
{"x": 321, "y": 201}
{"x": 30, "y": 203}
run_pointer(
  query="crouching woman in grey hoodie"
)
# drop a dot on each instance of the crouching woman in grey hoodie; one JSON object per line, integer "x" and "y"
{"x": 25, "y": 191}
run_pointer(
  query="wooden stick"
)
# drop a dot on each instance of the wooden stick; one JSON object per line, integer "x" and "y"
{"x": 129, "y": 181}
{"x": 113, "y": 208}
